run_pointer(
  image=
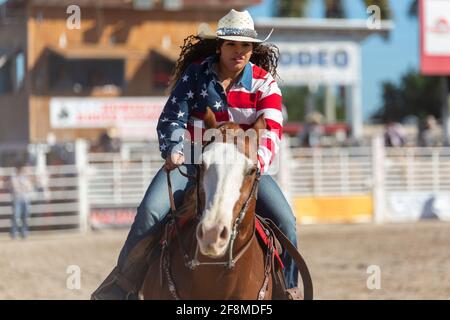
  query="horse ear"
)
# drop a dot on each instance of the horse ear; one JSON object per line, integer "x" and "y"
{"x": 260, "y": 124}
{"x": 210, "y": 119}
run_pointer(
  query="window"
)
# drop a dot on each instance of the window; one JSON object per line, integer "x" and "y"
{"x": 85, "y": 75}
{"x": 20, "y": 70}
{"x": 162, "y": 67}
{"x": 6, "y": 85}
{"x": 12, "y": 71}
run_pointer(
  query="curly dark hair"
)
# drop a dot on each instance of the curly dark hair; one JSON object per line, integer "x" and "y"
{"x": 265, "y": 55}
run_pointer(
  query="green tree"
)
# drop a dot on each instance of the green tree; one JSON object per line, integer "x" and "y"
{"x": 291, "y": 8}
{"x": 415, "y": 95}
{"x": 384, "y": 7}
{"x": 333, "y": 8}
{"x": 295, "y": 100}
{"x": 413, "y": 8}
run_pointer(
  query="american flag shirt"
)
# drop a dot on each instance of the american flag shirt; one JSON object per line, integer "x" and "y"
{"x": 253, "y": 94}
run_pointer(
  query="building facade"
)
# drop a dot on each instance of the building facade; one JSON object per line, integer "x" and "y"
{"x": 73, "y": 69}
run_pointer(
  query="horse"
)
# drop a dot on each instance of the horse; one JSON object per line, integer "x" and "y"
{"x": 210, "y": 250}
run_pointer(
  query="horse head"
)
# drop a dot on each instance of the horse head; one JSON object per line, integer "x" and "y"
{"x": 229, "y": 176}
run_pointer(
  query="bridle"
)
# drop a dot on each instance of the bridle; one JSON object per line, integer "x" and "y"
{"x": 194, "y": 263}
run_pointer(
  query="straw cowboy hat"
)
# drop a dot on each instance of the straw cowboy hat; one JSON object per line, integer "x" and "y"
{"x": 235, "y": 26}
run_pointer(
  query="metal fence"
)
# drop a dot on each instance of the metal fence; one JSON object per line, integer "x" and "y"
{"x": 55, "y": 202}
{"x": 69, "y": 193}
{"x": 337, "y": 171}
{"x": 118, "y": 180}
{"x": 417, "y": 169}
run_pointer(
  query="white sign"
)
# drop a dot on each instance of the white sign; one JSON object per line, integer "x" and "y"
{"x": 173, "y": 4}
{"x": 132, "y": 117}
{"x": 319, "y": 63}
{"x": 437, "y": 27}
{"x": 413, "y": 206}
{"x": 143, "y": 4}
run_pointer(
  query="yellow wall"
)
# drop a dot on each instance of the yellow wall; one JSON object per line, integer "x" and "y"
{"x": 327, "y": 209}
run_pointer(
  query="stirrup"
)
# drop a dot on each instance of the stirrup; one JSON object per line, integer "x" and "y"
{"x": 115, "y": 287}
{"x": 294, "y": 294}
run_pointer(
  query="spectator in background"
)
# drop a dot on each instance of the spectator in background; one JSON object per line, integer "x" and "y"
{"x": 394, "y": 136}
{"x": 431, "y": 134}
{"x": 108, "y": 141}
{"x": 313, "y": 131}
{"x": 285, "y": 114}
{"x": 20, "y": 186}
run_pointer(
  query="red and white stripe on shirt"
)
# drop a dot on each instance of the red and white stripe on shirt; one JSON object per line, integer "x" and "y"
{"x": 244, "y": 107}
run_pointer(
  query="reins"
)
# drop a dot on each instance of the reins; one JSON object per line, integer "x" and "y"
{"x": 195, "y": 262}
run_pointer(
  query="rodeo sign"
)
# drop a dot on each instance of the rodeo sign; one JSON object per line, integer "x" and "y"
{"x": 334, "y": 63}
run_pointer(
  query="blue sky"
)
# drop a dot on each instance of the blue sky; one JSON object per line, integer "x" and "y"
{"x": 382, "y": 60}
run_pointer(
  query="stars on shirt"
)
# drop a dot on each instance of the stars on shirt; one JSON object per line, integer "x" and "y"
{"x": 162, "y": 136}
{"x": 217, "y": 105}
{"x": 190, "y": 94}
{"x": 204, "y": 93}
{"x": 174, "y": 124}
{"x": 163, "y": 147}
{"x": 185, "y": 78}
{"x": 180, "y": 114}
{"x": 174, "y": 100}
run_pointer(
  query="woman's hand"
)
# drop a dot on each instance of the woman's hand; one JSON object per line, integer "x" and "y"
{"x": 173, "y": 161}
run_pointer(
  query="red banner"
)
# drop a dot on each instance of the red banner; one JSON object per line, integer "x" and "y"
{"x": 434, "y": 18}
{"x": 112, "y": 218}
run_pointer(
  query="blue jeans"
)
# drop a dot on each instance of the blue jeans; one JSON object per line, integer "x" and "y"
{"x": 155, "y": 206}
{"x": 21, "y": 211}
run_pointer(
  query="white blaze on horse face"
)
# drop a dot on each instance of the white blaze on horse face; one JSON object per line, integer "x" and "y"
{"x": 225, "y": 168}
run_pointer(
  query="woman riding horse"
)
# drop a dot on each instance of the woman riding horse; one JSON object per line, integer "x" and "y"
{"x": 232, "y": 72}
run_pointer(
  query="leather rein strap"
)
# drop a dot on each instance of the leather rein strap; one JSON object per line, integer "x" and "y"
{"x": 298, "y": 259}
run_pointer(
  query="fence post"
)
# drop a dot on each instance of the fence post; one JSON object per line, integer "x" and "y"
{"x": 379, "y": 186}
{"x": 284, "y": 160}
{"x": 41, "y": 170}
{"x": 81, "y": 162}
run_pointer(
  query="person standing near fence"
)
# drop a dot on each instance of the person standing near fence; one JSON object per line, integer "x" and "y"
{"x": 21, "y": 187}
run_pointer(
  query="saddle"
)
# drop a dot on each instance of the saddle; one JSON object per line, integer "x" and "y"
{"x": 266, "y": 230}
{"x": 125, "y": 283}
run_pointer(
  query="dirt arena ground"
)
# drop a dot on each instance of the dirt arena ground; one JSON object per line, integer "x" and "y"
{"x": 414, "y": 261}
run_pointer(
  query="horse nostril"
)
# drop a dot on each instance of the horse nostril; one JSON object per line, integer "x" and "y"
{"x": 224, "y": 233}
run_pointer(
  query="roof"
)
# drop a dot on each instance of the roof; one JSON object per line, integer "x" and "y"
{"x": 308, "y": 26}
{"x": 105, "y": 52}
{"x": 135, "y": 3}
{"x": 83, "y": 3}
{"x": 97, "y": 52}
